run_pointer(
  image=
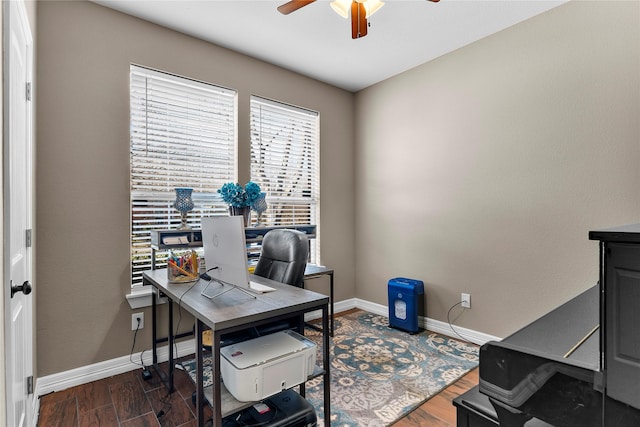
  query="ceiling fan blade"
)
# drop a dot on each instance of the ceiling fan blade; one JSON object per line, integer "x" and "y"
{"x": 434, "y": 1}
{"x": 358, "y": 20}
{"x": 293, "y": 5}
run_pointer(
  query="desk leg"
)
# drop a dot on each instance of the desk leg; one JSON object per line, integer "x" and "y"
{"x": 217, "y": 379}
{"x": 303, "y": 385}
{"x": 325, "y": 365}
{"x": 168, "y": 382}
{"x": 171, "y": 346}
{"x": 331, "y": 296}
{"x": 199, "y": 375}
{"x": 154, "y": 321}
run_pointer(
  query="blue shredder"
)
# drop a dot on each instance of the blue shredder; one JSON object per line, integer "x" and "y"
{"x": 406, "y": 303}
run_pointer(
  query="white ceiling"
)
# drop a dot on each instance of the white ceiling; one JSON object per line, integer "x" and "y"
{"x": 317, "y": 42}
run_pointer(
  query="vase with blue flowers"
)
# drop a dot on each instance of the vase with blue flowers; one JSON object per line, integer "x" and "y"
{"x": 239, "y": 198}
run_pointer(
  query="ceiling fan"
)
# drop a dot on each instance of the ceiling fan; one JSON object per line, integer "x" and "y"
{"x": 360, "y": 10}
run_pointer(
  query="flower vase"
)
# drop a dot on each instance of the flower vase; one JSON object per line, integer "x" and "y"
{"x": 245, "y": 211}
{"x": 260, "y": 206}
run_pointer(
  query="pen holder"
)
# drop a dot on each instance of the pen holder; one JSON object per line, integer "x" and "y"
{"x": 182, "y": 268}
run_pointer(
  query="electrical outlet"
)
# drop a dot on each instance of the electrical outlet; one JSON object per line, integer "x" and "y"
{"x": 465, "y": 300}
{"x": 134, "y": 321}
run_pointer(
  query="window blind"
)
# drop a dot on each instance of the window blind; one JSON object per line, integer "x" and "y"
{"x": 183, "y": 133}
{"x": 285, "y": 147}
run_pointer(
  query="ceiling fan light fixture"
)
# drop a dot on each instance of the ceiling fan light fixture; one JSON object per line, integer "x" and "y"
{"x": 360, "y": 11}
{"x": 341, "y": 7}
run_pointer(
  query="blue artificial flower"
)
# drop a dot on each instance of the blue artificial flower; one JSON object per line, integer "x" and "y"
{"x": 235, "y": 195}
{"x": 253, "y": 192}
{"x": 232, "y": 194}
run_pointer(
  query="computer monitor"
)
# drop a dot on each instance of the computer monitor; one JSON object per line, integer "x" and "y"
{"x": 225, "y": 253}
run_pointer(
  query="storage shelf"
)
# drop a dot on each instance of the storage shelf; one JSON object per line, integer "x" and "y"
{"x": 253, "y": 238}
{"x": 230, "y": 405}
{"x": 252, "y": 235}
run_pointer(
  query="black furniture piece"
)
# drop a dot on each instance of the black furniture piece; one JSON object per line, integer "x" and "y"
{"x": 285, "y": 409}
{"x": 578, "y": 365}
{"x": 283, "y": 257}
{"x": 620, "y": 273}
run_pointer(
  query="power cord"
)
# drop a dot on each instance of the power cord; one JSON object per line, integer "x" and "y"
{"x": 175, "y": 346}
{"x": 141, "y": 360}
{"x": 165, "y": 401}
{"x": 146, "y": 374}
{"x": 135, "y": 335}
{"x": 451, "y": 324}
{"x": 166, "y": 406}
{"x": 161, "y": 412}
{"x": 205, "y": 276}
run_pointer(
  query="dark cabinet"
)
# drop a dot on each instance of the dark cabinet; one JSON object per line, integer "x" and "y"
{"x": 527, "y": 379}
{"x": 620, "y": 275}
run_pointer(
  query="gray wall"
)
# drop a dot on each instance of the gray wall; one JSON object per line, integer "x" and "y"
{"x": 84, "y": 52}
{"x": 484, "y": 170}
{"x": 479, "y": 172}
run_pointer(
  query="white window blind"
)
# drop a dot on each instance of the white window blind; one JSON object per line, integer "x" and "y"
{"x": 183, "y": 134}
{"x": 285, "y": 147}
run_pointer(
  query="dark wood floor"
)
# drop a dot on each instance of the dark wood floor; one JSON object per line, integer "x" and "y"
{"x": 439, "y": 410}
{"x": 127, "y": 400}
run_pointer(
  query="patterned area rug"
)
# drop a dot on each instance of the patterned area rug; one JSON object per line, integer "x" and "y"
{"x": 379, "y": 374}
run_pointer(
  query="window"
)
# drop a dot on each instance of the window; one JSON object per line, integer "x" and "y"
{"x": 183, "y": 134}
{"x": 285, "y": 146}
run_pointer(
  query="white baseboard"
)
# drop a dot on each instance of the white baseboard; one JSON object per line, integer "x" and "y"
{"x": 433, "y": 325}
{"x": 97, "y": 371}
{"x": 108, "y": 368}
{"x": 443, "y": 328}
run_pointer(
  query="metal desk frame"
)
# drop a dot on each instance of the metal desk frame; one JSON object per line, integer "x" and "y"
{"x": 231, "y": 312}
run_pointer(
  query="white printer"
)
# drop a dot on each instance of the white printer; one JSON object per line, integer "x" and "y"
{"x": 255, "y": 369}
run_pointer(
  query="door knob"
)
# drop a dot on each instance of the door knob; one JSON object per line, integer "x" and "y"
{"x": 24, "y": 288}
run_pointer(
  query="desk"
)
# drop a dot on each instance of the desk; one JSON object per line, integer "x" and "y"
{"x": 234, "y": 311}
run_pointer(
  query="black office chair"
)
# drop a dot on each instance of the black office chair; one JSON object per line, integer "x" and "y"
{"x": 283, "y": 257}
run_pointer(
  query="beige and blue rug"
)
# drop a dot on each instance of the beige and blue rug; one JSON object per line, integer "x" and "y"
{"x": 379, "y": 374}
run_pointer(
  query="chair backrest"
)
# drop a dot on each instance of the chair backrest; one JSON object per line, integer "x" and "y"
{"x": 283, "y": 257}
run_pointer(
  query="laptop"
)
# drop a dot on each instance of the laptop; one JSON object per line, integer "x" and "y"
{"x": 225, "y": 253}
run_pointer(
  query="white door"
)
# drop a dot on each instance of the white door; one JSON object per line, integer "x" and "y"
{"x": 18, "y": 217}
